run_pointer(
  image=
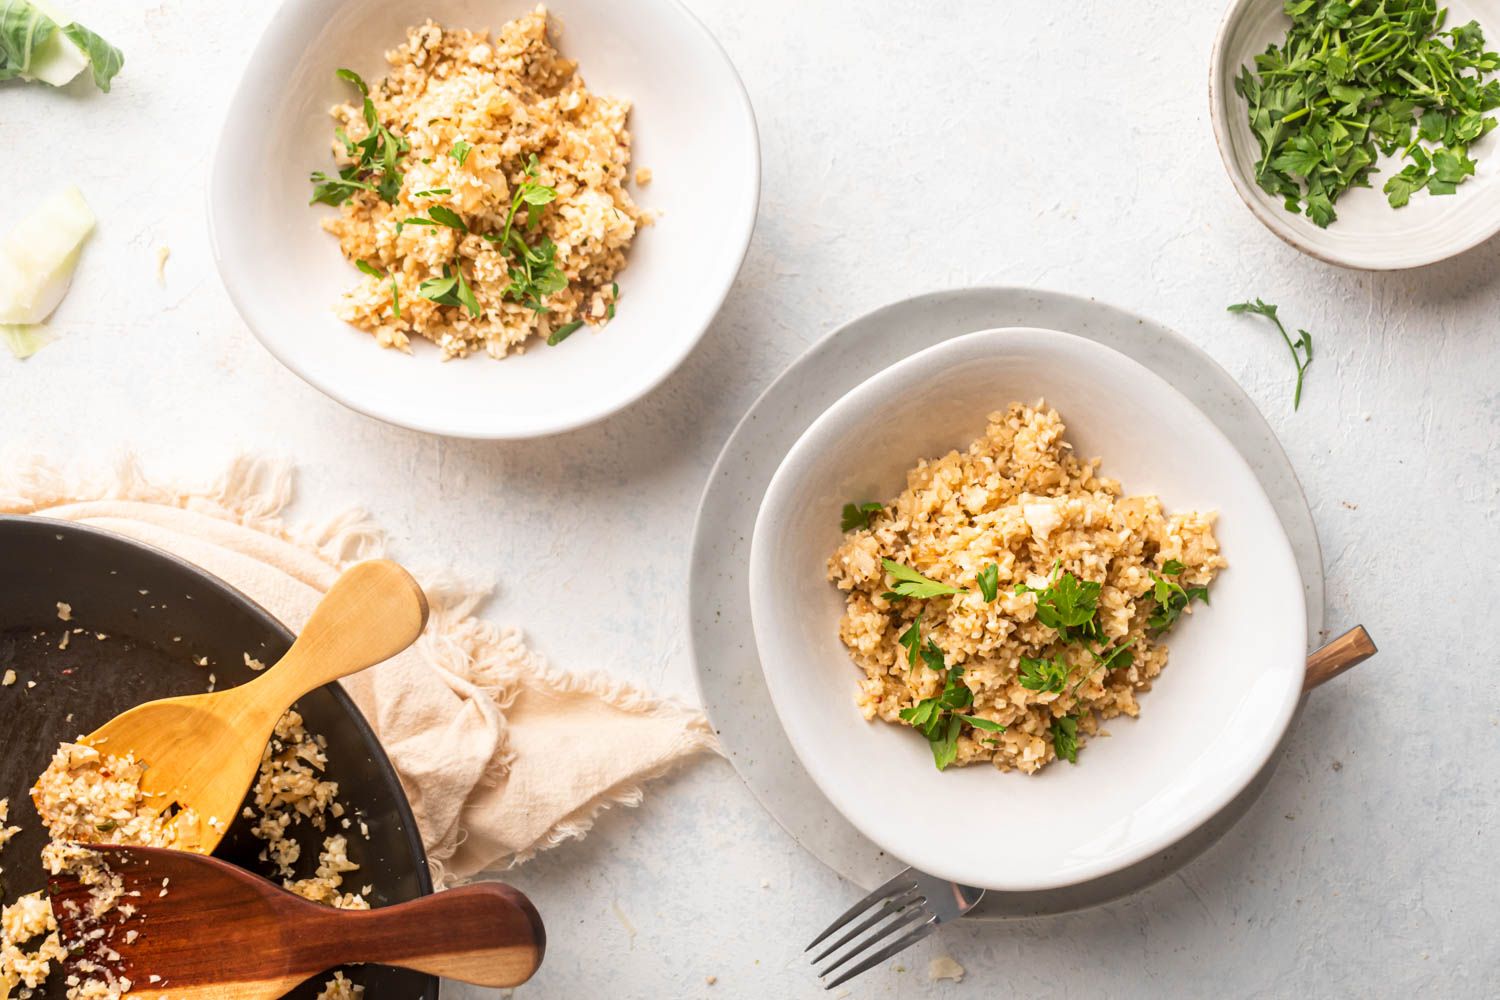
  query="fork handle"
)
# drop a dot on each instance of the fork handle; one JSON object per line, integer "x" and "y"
{"x": 1333, "y": 658}
{"x": 488, "y": 934}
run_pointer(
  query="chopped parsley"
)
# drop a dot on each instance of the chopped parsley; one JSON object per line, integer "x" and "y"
{"x": 1067, "y": 604}
{"x": 533, "y": 271}
{"x": 911, "y": 639}
{"x": 376, "y": 157}
{"x": 452, "y": 289}
{"x": 938, "y": 718}
{"x": 1117, "y": 658}
{"x": 1301, "y": 348}
{"x": 460, "y": 151}
{"x": 910, "y": 583}
{"x": 1353, "y": 80}
{"x": 857, "y": 515}
{"x": 1065, "y": 738}
{"x": 376, "y": 272}
{"x": 563, "y": 332}
{"x": 989, "y": 582}
{"x": 1044, "y": 675}
{"x": 1171, "y": 597}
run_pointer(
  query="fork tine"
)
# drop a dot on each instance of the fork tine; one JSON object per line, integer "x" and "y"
{"x": 886, "y": 909}
{"x": 902, "y": 881}
{"x": 903, "y": 920}
{"x": 891, "y": 949}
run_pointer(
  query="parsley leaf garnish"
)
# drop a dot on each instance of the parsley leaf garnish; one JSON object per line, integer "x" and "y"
{"x": 452, "y": 289}
{"x": 911, "y": 640}
{"x": 1065, "y": 738}
{"x": 1117, "y": 658}
{"x": 1067, "y": 604}
{"x": 932, "y": 655}
{"x": 563, "y": 332}
{"x": 1171, "y": 597}
{"x": 533, "y": 272}
{"x": 1351, "y": 80}
{"x": 1301, "y": 348}
{"x": 989, "y": 582}
{"x": 938, "y": 718}
{"x": 376, "y": 157}
{"x": 857, "y": 515}
{"x": 1044, "y": 675}
{"x": 376, "y": 272}
{"x": 910, "y": 583}
{"x": 460, "y": 151}
{"x": 945, "y": 749}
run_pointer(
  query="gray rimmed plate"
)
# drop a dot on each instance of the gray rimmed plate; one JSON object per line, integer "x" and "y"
{"x": 727, "y": 671}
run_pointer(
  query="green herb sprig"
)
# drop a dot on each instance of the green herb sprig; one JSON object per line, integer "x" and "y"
{"x": 1353, "y": 79}
{"x": 376, "y": 272}
{"x": 857, "y": 515}
{"x": 1065, "y": 738}
{"x": 1301, "y": 348}
{"x": 1044, "y": 675}
{"x": 376, "y": 157}
{"x": 988, "y": 579}
{"x": 533, "y": 270}
{"x": 1067, "y": 604}
{"x": 910, "y": 583}
{"x": 452, "y": 289}
{"x": 1171, "y": 597}
{"x": 940, "y": 718}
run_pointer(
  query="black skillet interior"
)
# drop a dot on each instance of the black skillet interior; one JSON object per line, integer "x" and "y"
{"x": 160, "y": 616}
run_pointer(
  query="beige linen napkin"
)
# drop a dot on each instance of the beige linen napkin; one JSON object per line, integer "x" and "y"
{"x": 471, "y": 718}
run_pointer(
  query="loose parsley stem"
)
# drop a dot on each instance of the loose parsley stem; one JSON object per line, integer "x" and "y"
{"x": 1301, "y": 349}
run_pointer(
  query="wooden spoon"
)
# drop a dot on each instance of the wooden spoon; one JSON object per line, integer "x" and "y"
{"x": 206, "y": 930}
{"x": 203, "y": 751}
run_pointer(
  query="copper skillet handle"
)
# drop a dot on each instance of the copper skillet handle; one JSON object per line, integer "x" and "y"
{"x": 1328, "y": 661}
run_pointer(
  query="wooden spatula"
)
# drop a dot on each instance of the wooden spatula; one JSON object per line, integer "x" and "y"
{"x": 202, "y": 751}
{"x": 205, "y": 930}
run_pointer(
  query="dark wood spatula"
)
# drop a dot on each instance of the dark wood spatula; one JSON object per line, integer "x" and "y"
{"x": 203, "y": 929}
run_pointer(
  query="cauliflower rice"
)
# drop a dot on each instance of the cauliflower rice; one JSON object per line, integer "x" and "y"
{"x": 89, "y": 796}
{"x": 508, "y": 98}
{"x": 1020, "y": 499}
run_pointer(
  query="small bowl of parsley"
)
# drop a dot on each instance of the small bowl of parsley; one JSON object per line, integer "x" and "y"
{"x": 1360, "y": 133}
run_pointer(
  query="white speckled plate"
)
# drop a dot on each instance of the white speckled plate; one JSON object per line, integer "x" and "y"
{"x": 729, "y": 677}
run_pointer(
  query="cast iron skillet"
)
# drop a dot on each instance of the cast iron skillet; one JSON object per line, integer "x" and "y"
{"x": 160, "y": 615}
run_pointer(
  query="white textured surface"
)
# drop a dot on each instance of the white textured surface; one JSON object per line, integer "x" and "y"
{"x": 1020, "y": 143}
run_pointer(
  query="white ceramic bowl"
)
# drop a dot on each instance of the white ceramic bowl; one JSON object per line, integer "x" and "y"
{"x": 1209, "y": 724}
{"x": 692, "y": 124}
{"x": 1368, "y": 233}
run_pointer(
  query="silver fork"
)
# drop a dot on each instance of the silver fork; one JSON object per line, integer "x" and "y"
{"x": 912, "y": 901}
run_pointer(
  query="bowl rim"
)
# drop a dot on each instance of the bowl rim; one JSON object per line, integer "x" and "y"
{"x": 247, "y": 303}
{"x": 1229, "y": 783}
{"x": 273, "y": 625}
{"x": 1220, "y": 94}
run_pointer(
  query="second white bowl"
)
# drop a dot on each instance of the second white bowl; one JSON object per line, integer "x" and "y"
{"x": 1206, "y": 728}
{"x": 692, "y": 125}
